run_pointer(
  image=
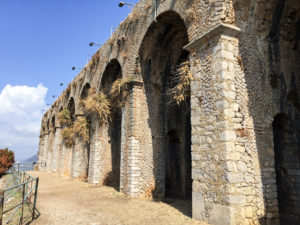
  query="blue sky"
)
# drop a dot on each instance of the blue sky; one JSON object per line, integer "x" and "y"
{"x": 40, "y": 40}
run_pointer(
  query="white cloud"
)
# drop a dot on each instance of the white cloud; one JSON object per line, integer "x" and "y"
{"x": 20, "y": 118}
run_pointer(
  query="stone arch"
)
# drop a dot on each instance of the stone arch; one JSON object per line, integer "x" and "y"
{"x": 177, "y": 12}
{"x": 161, "y": 53}
{"x": 53, "y": 123}
{"x": 48, "y": 125}
{"x": 71, "y": 108}
{"x": 112, "y": 72}
{"x": 83, "y": 95}
{"x": 287, "y": 166}
{"x": 84, "y": 92}
{"x": 112, "y": 132}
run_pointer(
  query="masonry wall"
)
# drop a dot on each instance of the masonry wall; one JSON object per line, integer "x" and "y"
{"x": 244, "y": 57}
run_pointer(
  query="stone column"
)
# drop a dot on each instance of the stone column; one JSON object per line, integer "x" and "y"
{"x": 41, "y": 152}
{"x": 130, "y": 142}
{"x": 79, "y": 159}
{"x": 213, "y": 107}
{"x": 65, "y": 160}
{"x": 50, "y": 146}
{"x": 56, "y": 149}
{"x": 95, "y": 153}
{"x": 45, "y": 151}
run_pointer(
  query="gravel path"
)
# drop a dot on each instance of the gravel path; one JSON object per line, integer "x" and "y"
{"x": 63, "y": 201}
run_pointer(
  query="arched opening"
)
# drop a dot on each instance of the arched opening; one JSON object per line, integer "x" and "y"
{"x": 84, "y": 94}
{"x": 112, "y": 73}
{"x": 71, "y": 108}
{"x": 53, "y": 124}
{"x": 287, "y": 168}
{"x": 85, "y": 90}
{"x": 161, "y": 57}
{"x": 48, "y": 125}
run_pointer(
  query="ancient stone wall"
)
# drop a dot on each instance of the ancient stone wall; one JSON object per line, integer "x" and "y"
{"x": 231, "y": 145}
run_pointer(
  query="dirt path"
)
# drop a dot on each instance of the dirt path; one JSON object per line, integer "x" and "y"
{"x": 63, "y": 201}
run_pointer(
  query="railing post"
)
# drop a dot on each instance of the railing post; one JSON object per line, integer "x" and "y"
{"x": 23, "y": 196}
{"x": 35, "y": 197}
{"x": 18, "y": 166}
{"x": 1, "y": 205}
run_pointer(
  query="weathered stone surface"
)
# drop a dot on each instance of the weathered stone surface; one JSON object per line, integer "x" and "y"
{"x": 241, "y": 115}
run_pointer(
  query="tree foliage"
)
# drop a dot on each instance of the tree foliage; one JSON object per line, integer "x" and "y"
{"x": 7, "y": 159}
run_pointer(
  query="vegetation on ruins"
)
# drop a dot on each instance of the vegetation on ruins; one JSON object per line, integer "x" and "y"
{"x": 118, "y": 90}
{"x": 97, "y": 104}
{"x": 182, "y": 78}
{"x": 68, "y": 136}
{"x": 64, "y": 118}
{"x": 93, "y": 62}
{"x": 81, "y": 129}
{"x": 7, "y": 159}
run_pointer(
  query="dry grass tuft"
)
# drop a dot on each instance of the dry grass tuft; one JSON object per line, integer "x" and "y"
{"x": 240, "y": 61}
{"x": 124, "y": 55}
{"x": 147, "y": 6}
{"x": 119, "y": 89}
{"x": 68, "y": 88}
{"x": 94, "y": 61}
{"x": 191, "y": 15}
{"x": 81, "y": 129}
{"x": 138, "y": 70}
{"x": 243, "y": 132}
{"x": 68, "y": 136}
{"x": 111, "y": 41}
{"x": 182, "y": 79}
{"x": 64, "y": 118}
{"x": 97, "y": 104}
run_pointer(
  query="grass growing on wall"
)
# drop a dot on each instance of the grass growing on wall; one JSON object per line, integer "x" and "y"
{"x": 97, "y": 104}
{"x": 183, "y": 78}
{"x": 64, "y": 118}
{"x": 118, "y": 90}
{"x": 119, "y": 86}
{"x": 68, "y": 136}
{"x": 81, "y": 129}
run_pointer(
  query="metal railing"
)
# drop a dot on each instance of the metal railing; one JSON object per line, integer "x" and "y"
{"x": 25, "y": 166}
{"x": 18, "y": 199}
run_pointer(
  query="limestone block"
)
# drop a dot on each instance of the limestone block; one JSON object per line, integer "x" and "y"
{"x": 227, "y": 136}
{"x": 221, "y": 214}
{"x": 198, "y": 206}
{"x": 235, "y": 199}
{"x": 242, "y": 166}
{"x": 234, "y": 178}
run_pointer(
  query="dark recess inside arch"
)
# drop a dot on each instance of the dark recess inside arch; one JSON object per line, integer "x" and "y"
{"x": 160, "y": 54}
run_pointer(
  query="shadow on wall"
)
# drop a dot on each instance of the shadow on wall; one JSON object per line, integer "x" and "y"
{"x": 112, "y": 73}
{"x": 84, "y": 94}
{"x": 272, "y": 84}
{"x": 160, "y": 55}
